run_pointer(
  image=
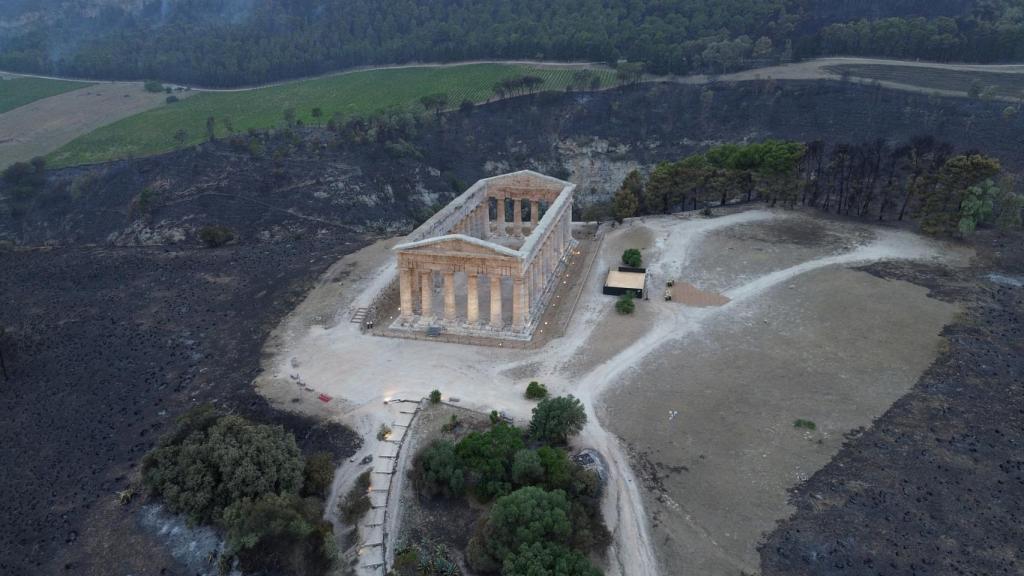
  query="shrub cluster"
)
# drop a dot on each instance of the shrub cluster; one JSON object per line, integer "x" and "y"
{"x": 216, "y": 236}
{"x": 26, "y": 181}
{"x": 546, "y": 512}
{"x": 251, "y": 481}
{"x": 632, "y": 257}
{"x": 625, "y": 305}
{"x": 536, "y": 391}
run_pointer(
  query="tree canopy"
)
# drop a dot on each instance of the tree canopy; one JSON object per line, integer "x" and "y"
{"x": 556, "y": 419}
{"x": 215, "y": 466}
{"x": 230, "y": 44}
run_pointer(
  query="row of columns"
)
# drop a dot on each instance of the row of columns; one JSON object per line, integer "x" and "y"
{"x": 546, "y": 259}
{"x": 476, "y": 223}
{"x": 517, "y": 214}
{"x": 419, "y": 285}
{"x": 527, "y": 289}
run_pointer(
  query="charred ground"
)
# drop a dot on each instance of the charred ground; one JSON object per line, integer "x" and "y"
{"x": 118, "y": 318}
{"x": 936, "y": 485}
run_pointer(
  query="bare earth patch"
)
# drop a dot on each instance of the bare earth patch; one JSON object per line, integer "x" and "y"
{"x": 43, "y": 126}
{"x": 715, "y": 413}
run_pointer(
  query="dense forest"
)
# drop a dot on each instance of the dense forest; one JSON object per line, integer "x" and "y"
{"x": 233, "y": 42}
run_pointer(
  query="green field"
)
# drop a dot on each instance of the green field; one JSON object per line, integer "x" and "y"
{"x": 351, "y": 94}
{"x": 1003, "y": 84}
{"x": 16, "y": 92}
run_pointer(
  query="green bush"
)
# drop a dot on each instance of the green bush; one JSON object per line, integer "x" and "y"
{"x": 632, "y": 258}
{"x": 557, "y": 467}
{"x": 547, "y": 559}
{"x": 805, "y": 424}
{"x": 216, "y": 236}
{"x": 318, "y": 475}
{"x": 279, "y": 534}
{"x": 556, "y": 419}
{"x": 487, "y": 459}
{"x": 435, "y": 396}
{"x": 527, "y": 468}
{"x": 213, "y": 463}
{"x": 438, "y": 471}
{"x": 171, "y": 99}
{"x": 28, "y": 179}
{"x": 625, "y": 305}
{"x": 527, "y": 516}
{"x": 536, "y": 391}
{"x": 153, "y": 86}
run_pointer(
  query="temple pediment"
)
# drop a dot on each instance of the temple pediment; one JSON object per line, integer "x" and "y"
{"x": 457, "y": 244}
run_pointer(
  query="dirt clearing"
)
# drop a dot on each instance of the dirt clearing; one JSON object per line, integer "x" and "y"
{"x": 711, "y": 418}
{"x": 43, "y": 126}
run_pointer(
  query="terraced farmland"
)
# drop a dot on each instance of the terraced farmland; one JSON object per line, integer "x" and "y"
{"x": 1002, "y": 84}
{"x": 351, "y": 94}
{"x": 15, "y": 92}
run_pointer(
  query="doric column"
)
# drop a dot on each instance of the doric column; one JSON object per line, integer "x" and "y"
{"x": 520, "y": 307}
{"x": 426, "y": 293}
{"x": 534, "y": 213}
{"x": 415, "y": 289}
{"x": 568, "y": 225}
{"x": 449, "y": 296}
{"x": 517, "y": 217}
{"x": 542, "y": 280}
{"x": 534, "y": 282}
{"x": 496, "y": 320}
{"x": 485, "y": 220}
{"x": 531, "y": 283}
{"x": 549, "y": 255}
{"x": 501, "y": 216}
{"x": 405, "y": 290}
{"x": 472, "y": 300}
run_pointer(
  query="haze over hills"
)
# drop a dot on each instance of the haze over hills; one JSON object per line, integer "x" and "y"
{"x": 235, "y": 42}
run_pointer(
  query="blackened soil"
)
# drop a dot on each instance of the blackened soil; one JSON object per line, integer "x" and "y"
{"x": 106, "y": 345}
{"x": 104, "y": 348}
{"x": 936, "y": 485}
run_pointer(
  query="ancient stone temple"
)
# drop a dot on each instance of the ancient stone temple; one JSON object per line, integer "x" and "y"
{"x": 489, "y": 261}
